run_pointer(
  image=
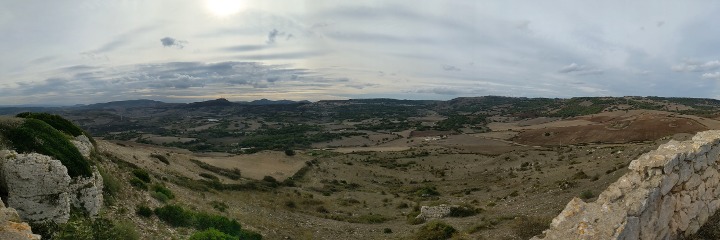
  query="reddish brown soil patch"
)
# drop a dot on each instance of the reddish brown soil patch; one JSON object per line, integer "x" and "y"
{"x": 639, "y": 128}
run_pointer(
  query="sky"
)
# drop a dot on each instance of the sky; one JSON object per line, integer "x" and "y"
{"x": 89, "y": 51}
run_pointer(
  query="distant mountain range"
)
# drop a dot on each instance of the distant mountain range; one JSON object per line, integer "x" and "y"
{"x": 141, "y": 103}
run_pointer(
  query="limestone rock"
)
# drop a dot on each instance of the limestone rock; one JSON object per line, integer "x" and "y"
{"x": 668, "y": 193}
{"x": 12, "y": 228}
{"x": 83, "y": 144}
{"x": 41, "y": 190}
{"x": 37, "y": 187}
{"x": 428, "y": 212}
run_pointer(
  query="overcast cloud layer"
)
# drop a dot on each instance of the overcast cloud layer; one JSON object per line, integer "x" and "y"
{"x": 87, "y": 51}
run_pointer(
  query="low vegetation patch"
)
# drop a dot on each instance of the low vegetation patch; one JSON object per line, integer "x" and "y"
{"x": 161, "y": 158}
{"x": 177, "y": 216}
{"x": 231, "y": 174}
{"x": 142, "y": 175}
{"x": 56, "y": 121}
{"x": 435, "y": 230}
{"x": 528, "y": 227}
{"x": 82, "y": 227}
{"x": 37, "y": 136}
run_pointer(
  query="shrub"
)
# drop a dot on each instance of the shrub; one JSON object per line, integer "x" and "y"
{"x": 210, "y": 176}
{"x": 175, "y": 215}
{"x": 144, "y": 211}
{"x": 587, "y": 194}
{"x": 435, "y": 230}
{"x": 137, "y": 183}
{"x": 37, "y": 136}
{"x": 163, "y": 190}
{"x": 370, "y": 219}
{"x": 161, "y": 158}
{"x": 100, "y": 228}
{"x": 289, "y": 152}
{"x": 220, "y": 206}
{"x": 528, "y": 227}
{"x": 580, "y": 175}
{"x": 211, "y": 234}
{"x": 233, "y": 174}
{"x": 179, "y": 217}
{"x": 111, "y": 186}
{"x": 463, "y": 211}
{"x": 427, "y": 191}
{"x": 387, "y": 230}
{"x": 290, "y": 204}
{"x": 160, "y": 197}
{"x": 142, "y": 175}
{"x": 56, "y": 121}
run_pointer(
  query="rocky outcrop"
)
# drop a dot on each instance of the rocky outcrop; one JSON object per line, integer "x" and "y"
{"x": 12, "y": 227}
{"x": 41, "y": 190}
{"x": 441, "y": 211}
{"x": 83, "y": 144}
{"x": 37, "y": 186}
{"x": 668, "y": 193}
{"x": 88, "y": 193}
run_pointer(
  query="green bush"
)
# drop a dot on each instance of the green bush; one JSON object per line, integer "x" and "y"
{"x": 587, "y": 194}
{"x": 435, "y": 230}
{"x": 175, "y": 215}
{"x": 100, "y": 228}
{"x": 463, "y": 211}
{"x": 289, "y": 152}
{"x": 211, "y": 234}
{"x": 160, "y": 197}
{"x": 37, "y": 136}
{"x": 163, "y": 190}
{"x": 144, "y": 211}
{"x": 179, "y": 217}
{"x": 427, "y": 191}
{"x": 137, "y": 183}
{"x": 56, "y": 121}
{"x": 210, "y": 176}
{"x": 111, "y": 186}
{"x": 142, "y": 175}
{"x": 527, "y": 227}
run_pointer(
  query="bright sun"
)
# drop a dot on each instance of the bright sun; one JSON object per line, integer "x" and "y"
{"x": 224, "y": 8}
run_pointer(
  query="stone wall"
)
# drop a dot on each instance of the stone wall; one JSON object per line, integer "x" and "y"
{"x": 668, "y": 193}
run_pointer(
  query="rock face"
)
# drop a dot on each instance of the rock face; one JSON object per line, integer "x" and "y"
{"x": 12, "y": 228}
{"x": 37, "y": 187}
{"x": 41, "y": 190}
{"x": 668, "y": 193}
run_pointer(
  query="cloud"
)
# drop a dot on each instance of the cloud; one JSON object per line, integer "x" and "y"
{"x": 179, "y": 79}
{"x": 118, "y": 41}
{"x": 244, "y": 48}
{"x": 660, "y": 23}
{"x": 171, "y": 42}
{"x": 713, "y": 75}
{"x": 450, "y": 68}
{"x": 692, "y": 66}
{"x": 282, "y": 56}
{"x": 441, "y": 91}
{"x": 578, "y": 69}
{"x": 272, "y": 35}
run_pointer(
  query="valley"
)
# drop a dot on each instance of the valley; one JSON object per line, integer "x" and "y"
{"x": 363, "y": 169}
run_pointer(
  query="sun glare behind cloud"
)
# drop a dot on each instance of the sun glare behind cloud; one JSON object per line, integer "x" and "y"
{"x": 224, "y": 8}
